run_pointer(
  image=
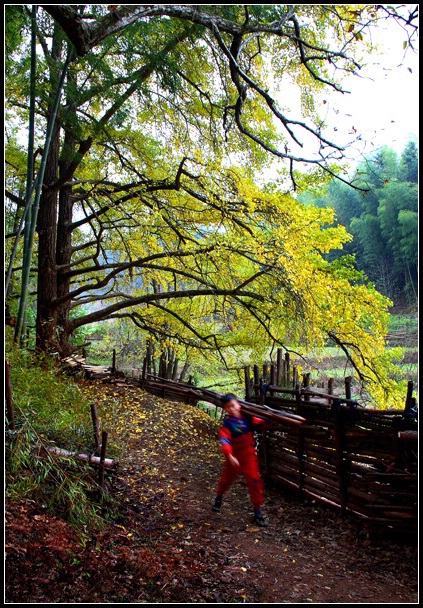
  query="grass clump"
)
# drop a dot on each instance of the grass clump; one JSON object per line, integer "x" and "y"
{"x": 50, "y": 410}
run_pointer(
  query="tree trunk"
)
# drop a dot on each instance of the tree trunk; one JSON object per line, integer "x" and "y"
{"x": 47, "y": 273}
{"x": 63, "y": 258}
{"x": 47, "y": 227}
{"x": 64, "y": 237}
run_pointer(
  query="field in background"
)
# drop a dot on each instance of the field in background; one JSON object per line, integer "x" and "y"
{"x": 332, "y": 363}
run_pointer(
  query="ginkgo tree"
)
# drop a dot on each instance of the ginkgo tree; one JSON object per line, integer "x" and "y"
{"x": 144, "y": 209}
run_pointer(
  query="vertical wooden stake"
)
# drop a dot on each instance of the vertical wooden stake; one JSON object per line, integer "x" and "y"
{"x": 261, "y": 391}
{"x": 247, "y": 382}
{"x": 272, "y": 374}
{"x": 340, "y": 462}
{"x": 300, "y": 457}
{"x": 306, "y": 383}
{"x": 265, "y": 373}
{"x": 348, "y": 387}
{"x": 294, "y": 377}
{"x": 9, "y": 401}
{"x": 95, "y": 427}
{"x": 330, "y": 389}
{"x": 102, "y": 458}
{"x": 256, "y": 381}
{"x": 297, "y": 400}
{"x": 287, "y": 371}
{"x": 279, "y": 368}
{"x": 408, "y": 399}
{"x": 265, "y": 450}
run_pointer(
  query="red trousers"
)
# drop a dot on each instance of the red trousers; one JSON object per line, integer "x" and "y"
{"x": 249, "y": 467}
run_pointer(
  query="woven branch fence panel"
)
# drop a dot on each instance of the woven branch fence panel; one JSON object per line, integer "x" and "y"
{"x": 358, "y": 460}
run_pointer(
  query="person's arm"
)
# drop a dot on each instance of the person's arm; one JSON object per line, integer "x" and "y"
{"x": 225, "y": 437}
{"x": 264, "y": 425}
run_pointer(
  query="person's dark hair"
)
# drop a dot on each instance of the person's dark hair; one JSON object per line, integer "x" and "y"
{"x": 228, "y": 397}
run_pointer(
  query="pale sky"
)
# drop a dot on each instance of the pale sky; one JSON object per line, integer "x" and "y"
{"x": 382, "y": 106}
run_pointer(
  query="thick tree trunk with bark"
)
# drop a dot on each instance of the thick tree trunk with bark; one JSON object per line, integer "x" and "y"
{"x": 63, "y": 257}
{"x": 64, "y": 242}
{"x": 46, "y": 325}
{"x": 47, "y": 273}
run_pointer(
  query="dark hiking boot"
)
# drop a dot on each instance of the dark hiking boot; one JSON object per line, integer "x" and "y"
{"x": 217, "y": 504}
{"x": 259, "y": 518}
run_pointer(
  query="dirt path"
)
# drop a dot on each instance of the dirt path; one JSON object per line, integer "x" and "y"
{"x": 168, "y": 546}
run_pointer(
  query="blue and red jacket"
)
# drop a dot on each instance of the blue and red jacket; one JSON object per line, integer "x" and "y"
{"x": 237, "y": 433}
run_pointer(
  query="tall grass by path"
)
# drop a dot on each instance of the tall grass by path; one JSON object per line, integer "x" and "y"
{"x": 50, "y": 410}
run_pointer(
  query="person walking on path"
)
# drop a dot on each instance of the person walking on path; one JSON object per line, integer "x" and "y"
{"x": 237, "y": 443}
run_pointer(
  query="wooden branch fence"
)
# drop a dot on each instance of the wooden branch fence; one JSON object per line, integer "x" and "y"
{"x": 324, "y": 445}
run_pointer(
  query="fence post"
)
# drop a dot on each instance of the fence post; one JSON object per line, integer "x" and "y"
{"x": 95, "y": 427}
{"x": 114, "y": 362}
{"x": 300, "y": 457}
{"x": 279, "y": 367}
{"x": 247, "y": 382}
{"x": 102, "y": 459}
{"x": 330, "y": 389}
{"x": 300, "y": 440}
{"x": 409, "y": 398}
{"x": 287, "y": 370}
{"x": 297, "y": 400}
{"x": 265, "y": 373}
{"x": 348, "y": 387}
{"x": 294, "y": 377}
{"x": 339, "y": 447}
{"x": 306, "y": 384}
{"x": 265, "y": 450}
{"x": 261, "y": 391}
{"x": 272, "y": 374}
{"x": 256, "y": 381}
{"x": 9, "y": 400}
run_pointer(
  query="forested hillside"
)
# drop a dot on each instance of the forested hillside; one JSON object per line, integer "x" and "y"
{"x": 383, "y": 220}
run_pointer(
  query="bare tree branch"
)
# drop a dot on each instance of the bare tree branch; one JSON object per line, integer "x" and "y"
{"x": 152, "y": 297}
